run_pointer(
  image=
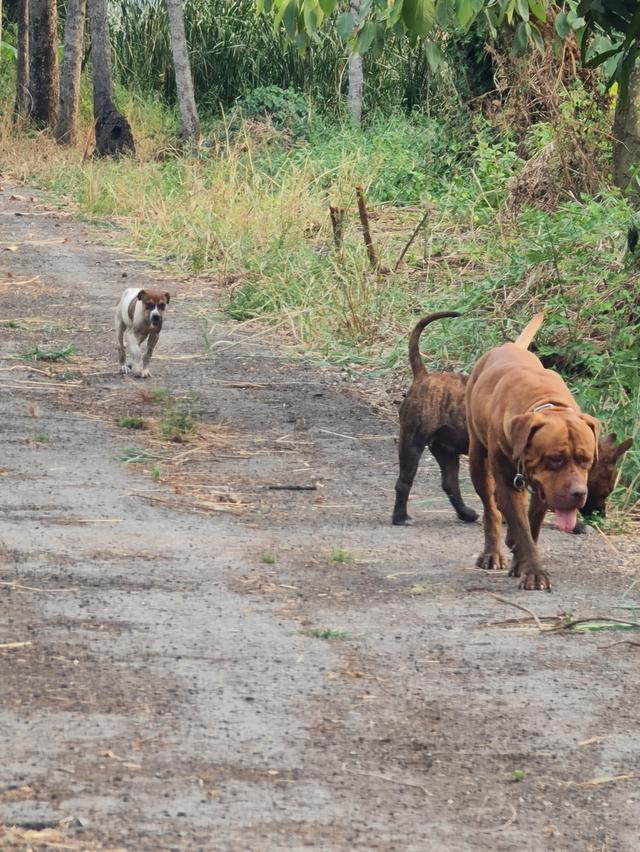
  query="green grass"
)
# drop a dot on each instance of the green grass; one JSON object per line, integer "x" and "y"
{"x": 325, "y": 633}
{"x": 135, "y": 455}
{"x": 62, "y": 354}
{"x": 127, "y": 421}
{"x": 175, "y": 425}
{"x": 41, "y": 438}
{"x": 267, "y": 558}
{"x": 340, "y": 555}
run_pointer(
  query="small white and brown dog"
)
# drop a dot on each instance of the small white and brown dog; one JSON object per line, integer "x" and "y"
{"x": 138, "y": 318}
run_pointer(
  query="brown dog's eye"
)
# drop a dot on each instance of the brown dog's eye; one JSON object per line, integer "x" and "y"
{"x": 161, "y": 306}
{"x": 555, "y": 462}
{"x": 583, "y": 461}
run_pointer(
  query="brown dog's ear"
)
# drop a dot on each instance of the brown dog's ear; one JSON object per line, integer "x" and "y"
{"x": 521, "y": 429}
{"x": 595, "y": 427}
{"x": 167, "y": 296}
{"x": 142, "y": 294}
{"x": 624, "y": 446}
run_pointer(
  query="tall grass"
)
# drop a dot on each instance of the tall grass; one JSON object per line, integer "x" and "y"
{"x": 233, "y": 51}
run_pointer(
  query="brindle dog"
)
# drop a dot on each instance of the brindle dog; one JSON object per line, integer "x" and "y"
{"x": 432, "y": 415}
{"x": 602, "y": 477}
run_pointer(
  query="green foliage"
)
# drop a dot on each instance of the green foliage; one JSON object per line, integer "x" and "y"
{"x": 131, "y": 422}
{"x": 176, "y": 425}
{"x": 286, "y": 108}
{"x": 63, "y": 353}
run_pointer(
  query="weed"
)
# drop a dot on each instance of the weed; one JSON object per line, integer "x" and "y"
{"x": 518, "y": 775}
{"x": 267, "y": 558}
{"x": 340, "y": 555}
{"x": 41, "y": 438}
{"x": 176, "y": 425}
{"x": 325, "y": 633}
{"x": 160, "y": 396}
{"x": 12, "y": 324}
{"x": 64, "y": 354}
{"x": 131, "y": 422}
{"x": 155, "y": 472}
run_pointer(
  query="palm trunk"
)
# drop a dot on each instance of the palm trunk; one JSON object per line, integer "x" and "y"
{"x": 626, "y": 137}
{"x": 43, "y": 61}
{"x": 182, "y": 67}
{"x": 21, "y": 106}
{"x": 113, "y": 131}
{"x": 66, "y": 129}
{"x": 356, "y": 77}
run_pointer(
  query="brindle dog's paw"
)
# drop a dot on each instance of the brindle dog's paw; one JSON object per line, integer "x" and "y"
{"x": 491, "y": 562}
{"x": 467, "y": 515}
{"x": 535, "y": 580}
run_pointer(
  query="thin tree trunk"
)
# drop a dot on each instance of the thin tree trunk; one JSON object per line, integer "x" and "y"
{"x": 356, "y": 76}
{"x": 43, "y": 61}
{"x": 21, "y": 106}
{"x": 626, "y": 137}
{"x": 182, "y": 67}
{"x": 66, "y": 129}
{"x": 113, "y": 131}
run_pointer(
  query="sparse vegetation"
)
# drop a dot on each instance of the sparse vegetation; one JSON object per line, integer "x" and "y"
{"x": 267, "y": 558}
{"x": 127, "y": 421}
{"x": 325, "y": 633}
{"x": 41, "y": 438}
{"x": 62, "y": 354}
{"x": 175, "y": 425}
{"x": 341, "y": 555}
{"x": 135, "y": 455}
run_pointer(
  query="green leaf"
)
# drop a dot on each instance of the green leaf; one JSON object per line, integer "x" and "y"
{"x": 523, "y": 9}
{"x": 366, "y": 36}
{"x": 8, "y": 51}
{"x": 464, "y": 13}
{"x": 435, "y": 57}
{"x": 290, "y": 20}
{"x": 536, "y": 35}
{"x": 418, "y": 16}
{"x": 327, "y": 6}
{"x": 539, "y": 10}
{"x": 562, "y": 25}
{"x": 443, "y": 13}
{"x": 345, "y": 25}
{"x": 311, "y": 21}
{"x": 521, "y": 39}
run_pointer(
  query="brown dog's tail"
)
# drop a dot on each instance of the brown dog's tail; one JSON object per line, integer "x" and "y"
{"x": 525, "y": 338}
{"x": 415, "y": 359}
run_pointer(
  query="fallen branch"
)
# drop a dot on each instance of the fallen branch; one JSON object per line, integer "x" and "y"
{"x": 20, "y": 588}
{"x": 621, "y": 642}
{"x": 511, "y": 603}
{"x": 292, "y": 487}
{"x": 8, "y": 645}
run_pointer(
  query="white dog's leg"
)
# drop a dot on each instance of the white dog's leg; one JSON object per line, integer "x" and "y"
{"x": 151, "y": 345}
{"x": 135, "y": 353}
{"x": 122, "y": 355}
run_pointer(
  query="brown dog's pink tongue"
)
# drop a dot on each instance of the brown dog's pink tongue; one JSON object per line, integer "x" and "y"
{"x": 566, "y": 519}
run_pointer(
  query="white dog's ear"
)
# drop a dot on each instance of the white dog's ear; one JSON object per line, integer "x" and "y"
{"x": 167, "y": 296}
{"x": 142, "y": 294}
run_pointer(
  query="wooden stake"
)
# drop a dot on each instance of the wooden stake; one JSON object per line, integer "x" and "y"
{"x": 366, "y": 231}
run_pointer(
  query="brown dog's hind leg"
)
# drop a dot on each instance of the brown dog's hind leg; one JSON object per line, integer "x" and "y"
{"x": 410, "y": 450}
{"x": 449, "y": 464}
{"x": 492, "y": 558}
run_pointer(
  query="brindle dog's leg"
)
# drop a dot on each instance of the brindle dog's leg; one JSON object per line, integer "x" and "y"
{"x": 513, "y": 505}
{"x": 482, "y": 478}
{"x": 410, "y": 449}
{"x": 449, "y": 463}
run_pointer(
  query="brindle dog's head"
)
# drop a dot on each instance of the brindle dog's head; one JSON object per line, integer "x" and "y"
{"x": 558, "y": 447}
{"x": 154, "y": 303}
{"x": 603, "y": 475}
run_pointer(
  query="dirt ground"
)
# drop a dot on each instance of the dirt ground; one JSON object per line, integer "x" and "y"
{"x": 192, "y": 659}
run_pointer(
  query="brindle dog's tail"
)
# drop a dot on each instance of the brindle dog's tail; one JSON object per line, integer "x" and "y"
{"x": 525, "y": 338}
{"x": 415, "y": 359}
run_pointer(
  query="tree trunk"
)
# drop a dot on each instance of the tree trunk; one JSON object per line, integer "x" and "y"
{"x": 21, "y": 106}
{"x": 113, "y": 131}
{"x": 626, "y": 137}
{"x": 43, "y": 61}
{"x": 182, "y": 67}
{"x": 356, "y": 77}
{"x": 66, "y": 129}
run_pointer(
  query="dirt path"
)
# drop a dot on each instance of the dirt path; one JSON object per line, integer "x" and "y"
{"x": 169, "y": 687}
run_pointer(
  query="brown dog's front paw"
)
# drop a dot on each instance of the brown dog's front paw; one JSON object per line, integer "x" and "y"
{"x": 535, "y": 580}
{"x": 491, "y": 561}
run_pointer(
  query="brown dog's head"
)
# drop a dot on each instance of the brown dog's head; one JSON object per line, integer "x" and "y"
{"x": 558, "y": 447}
{"x": 154, "y": 303}
{"x": 603, "y": 475}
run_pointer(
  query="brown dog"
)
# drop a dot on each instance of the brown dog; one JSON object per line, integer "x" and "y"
{"x": 525, "y": 428}
{"x": 432, "y": 415}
